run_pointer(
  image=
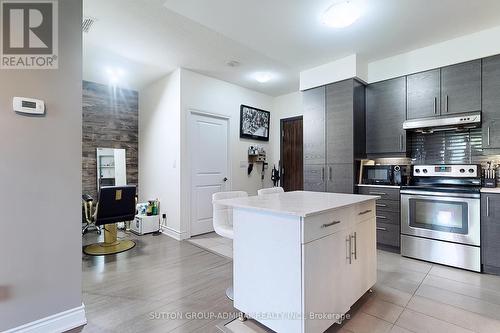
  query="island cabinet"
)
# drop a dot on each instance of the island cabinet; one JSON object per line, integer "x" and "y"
{"x": 385, "y": 115}
{"x": 302, "y": 272}
{"x": 491, "y": 102}
{"x": 490, "y": 232}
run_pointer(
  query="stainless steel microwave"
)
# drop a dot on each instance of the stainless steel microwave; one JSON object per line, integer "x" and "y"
{"x": 385, "y": 174}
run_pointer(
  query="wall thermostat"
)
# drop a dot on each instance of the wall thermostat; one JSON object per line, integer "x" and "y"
{"x": 28, "y": 105}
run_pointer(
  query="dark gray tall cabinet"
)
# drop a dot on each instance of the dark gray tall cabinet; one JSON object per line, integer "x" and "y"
{"x": 491, "y": 102}
{"x": 385, "y": 115}
{"x": 334, "y": 135}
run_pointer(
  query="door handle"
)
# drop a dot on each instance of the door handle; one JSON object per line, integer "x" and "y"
{"x": 381, "y": 229}
{"x": 326, "y": 225}
{"x": 348, "y": 248}
{"x": 365, "y": 212}
{"x": 488, "y": 206}
{"x": 355, "y": 252}
{"x": 224, "y": 179}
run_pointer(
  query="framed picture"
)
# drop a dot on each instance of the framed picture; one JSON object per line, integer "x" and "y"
{"x": 254, "y": 123}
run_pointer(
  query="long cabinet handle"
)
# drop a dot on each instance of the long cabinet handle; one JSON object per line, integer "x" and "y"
{"x": 323, "y": 174}
{"x": 381, "y": 217}
{"x": 378, "y": 193}
{"x": 348, "y": 248}
{"x": 326, "y": 225}
{"x": 355, "y": 252}
{"x": 446, "y": 104}
{"x": 381, "y": 229}
{"x": 330, "y": 175}
{"x": 401, "y": 142}
{"x": 488, "y": 206}
{"x": 381, "y": 205}
{"x": 488, "y": 136}
{"x": 365, "y": 212}
{"x": 435, "y": 105}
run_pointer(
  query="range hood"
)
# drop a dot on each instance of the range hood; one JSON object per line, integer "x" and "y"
{"x": 445, "y": 123}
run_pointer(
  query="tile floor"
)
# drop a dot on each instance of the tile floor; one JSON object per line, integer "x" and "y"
{"x": 162, "y": 275}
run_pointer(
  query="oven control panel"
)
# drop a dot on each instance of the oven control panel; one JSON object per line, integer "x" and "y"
{"x": 455, "y": 171}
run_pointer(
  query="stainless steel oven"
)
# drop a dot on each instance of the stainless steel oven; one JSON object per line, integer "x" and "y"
{"x": 440, "y": 216}
{"x": 447, "y": 216}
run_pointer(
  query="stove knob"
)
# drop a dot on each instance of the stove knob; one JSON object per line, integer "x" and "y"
{"x": 462, "y": 170}
{"x": 425, "y": 170}
{"x": 472, "y": 170}
{"x": 417, "y": 170}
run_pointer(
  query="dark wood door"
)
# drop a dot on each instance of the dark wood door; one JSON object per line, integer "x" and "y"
{"x": 385, "y": 115}
{"x": 424, "y": 94}
{"x": 292, "y": 163}
{"x": 461, "y": 88}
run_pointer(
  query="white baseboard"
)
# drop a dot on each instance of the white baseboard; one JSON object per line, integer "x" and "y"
{"x": 173, "y": 233}
{"x": 60, "y": 322}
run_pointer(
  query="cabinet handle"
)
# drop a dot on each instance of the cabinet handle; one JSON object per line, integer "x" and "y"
{"x": 488, "y": 206}
{"x": 381, "y": 229}
{"x": 381, "y": 217}
{"x": 378, "y": 193}
{"x": 365, "y": 212}
{"x": 330, "y": 173}
{"x": 446, "y": 104}
{"x": 355, "y": 252}
{"x": 381, "y": 205}
{"x": 488, "y": 135}
{"x": 348, "y": 248}
{"x": 323, "y": 174}
{"x": 326, "y": 225}
{"x": 401, "y": 142}
{"x": 435, "y": 105}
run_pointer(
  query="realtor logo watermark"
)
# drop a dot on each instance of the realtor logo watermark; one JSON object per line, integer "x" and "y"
{"x": 29, "y": 37}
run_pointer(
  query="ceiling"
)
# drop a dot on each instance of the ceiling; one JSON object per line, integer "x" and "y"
{"x": 150, "y": 38}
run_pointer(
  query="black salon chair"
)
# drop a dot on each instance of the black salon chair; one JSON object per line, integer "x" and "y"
{"x": 116, "y": 204}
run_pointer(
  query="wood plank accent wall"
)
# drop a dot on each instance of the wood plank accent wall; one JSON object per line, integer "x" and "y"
{"x": 110, "y": 120}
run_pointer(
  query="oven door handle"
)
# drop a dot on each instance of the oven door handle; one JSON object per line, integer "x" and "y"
{"x": 442, "y": 194}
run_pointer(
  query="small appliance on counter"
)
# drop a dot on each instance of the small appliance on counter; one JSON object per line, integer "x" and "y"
{"x": 397, "y": 175}
{"x": 144, "y": 224}
{"x": 490, "y": 176}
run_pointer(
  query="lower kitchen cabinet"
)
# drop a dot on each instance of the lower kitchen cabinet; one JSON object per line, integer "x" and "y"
{"x": 314, "y": 177}
{"x": 388, "y": 216}
{"x": 490, "y": 232}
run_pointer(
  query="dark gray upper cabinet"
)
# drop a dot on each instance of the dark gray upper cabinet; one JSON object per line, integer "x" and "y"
{"x": 490, "y": 232}
{"x": 491, "y": 102}
{"x": 339, "y": 120}
{"x": 461, "y": 88}
{"x": 385, "y": 115}
{"x": 314, "y": 125}
{"x": 424, "y": 94}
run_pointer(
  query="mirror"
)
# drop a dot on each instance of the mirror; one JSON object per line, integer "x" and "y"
{"x": 111, "y": 167}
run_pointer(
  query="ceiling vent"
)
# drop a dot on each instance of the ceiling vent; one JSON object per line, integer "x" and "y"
{"x": 87, "y": 23}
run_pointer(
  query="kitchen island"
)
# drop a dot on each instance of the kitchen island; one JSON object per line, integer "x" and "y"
{"x": 302, "y": 259}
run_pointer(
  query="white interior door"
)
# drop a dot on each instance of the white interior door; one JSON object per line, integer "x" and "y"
{"x": 209, "y": 165}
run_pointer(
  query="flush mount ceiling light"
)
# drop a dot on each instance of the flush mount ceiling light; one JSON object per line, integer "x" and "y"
{"x": 342, "y": 14}
{"x": 263, "y": 77}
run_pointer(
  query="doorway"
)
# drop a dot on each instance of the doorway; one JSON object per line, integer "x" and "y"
{"x": 209, "y": 148}
{"x": 291, "y": 148}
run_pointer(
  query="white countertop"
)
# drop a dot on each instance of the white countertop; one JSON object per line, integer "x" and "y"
{"x": 490, "y": 190}
{"x": 298, "y": 203}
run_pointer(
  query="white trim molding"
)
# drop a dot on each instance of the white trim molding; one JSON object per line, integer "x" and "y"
{"x": 170, "y": 232}
{"x": 60, "y": 322}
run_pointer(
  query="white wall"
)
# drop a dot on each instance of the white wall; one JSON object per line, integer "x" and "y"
{"x": 40, "y": 186}
{"x": 160, "y": 146}
{"x": 474, "y": 46}
{"x": 203, "y": 93}
{"x": 285, "y": 106}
